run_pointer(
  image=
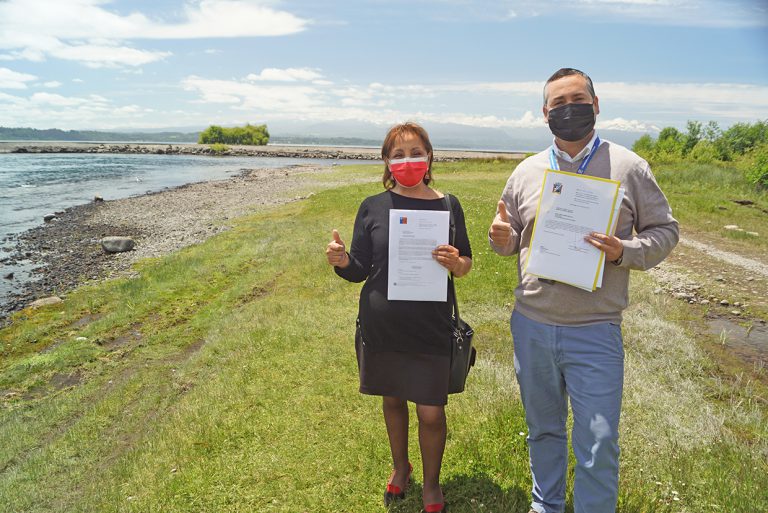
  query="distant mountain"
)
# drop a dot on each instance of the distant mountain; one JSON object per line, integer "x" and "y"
{"x": 54, "y": 134}
{"x": 442, "y": 135}
{"x": 331, "y": 133}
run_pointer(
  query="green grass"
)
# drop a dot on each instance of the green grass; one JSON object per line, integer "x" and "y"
{"x": 223, "y": 378}
{"x": 702, "y": 197}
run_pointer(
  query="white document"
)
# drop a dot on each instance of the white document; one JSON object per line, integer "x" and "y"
{"x": 570, "y": 207}
{"x": 414, "y": 275}
{"x": 615, "y": 221}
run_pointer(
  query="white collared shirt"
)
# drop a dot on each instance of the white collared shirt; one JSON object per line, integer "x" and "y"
{"x": 580, "y": 155}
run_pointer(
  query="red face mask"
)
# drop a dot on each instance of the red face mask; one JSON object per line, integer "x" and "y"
{"x": 409, "y": 171}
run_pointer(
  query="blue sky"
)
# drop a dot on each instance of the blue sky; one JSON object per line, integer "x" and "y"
{"x": 101, "y": 64}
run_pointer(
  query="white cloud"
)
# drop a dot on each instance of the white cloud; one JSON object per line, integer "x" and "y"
{"x": 53, "y": 84}
{"x": 245, "y": 95}
{"x": 87, "y": 31}
{"x": 56, "y": 100}
{"x": 10, "y": 79}
{"x": 693, "y": 98}
{"x": 698, "y": 13}
{"x": 101, "y": 56}
{"x": 527, "y": 120}
{"x": 625, "y": 125}
{"x": 285, "y": 75}
{"x": 43, "y": 110}
{"x": 625, "y": 106}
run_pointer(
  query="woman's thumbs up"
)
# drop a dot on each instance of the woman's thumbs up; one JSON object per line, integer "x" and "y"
{"x": 336, "y": 251}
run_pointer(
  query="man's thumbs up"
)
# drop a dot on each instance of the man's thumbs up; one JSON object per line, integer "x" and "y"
{"x": 501, "y": 230}
{"x": 336, "y": 251}
{"x": 503, "y": 212}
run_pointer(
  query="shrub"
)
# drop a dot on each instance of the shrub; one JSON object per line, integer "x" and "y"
{"x": 219, "y": 148}
{"x": 704, "y": 152}
{"x": 757, "y": 166}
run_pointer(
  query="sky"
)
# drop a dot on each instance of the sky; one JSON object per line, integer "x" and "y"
{"x": 132, "y": 65}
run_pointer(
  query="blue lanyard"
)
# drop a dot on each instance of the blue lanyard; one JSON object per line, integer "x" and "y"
{"x": 584, "y": 163}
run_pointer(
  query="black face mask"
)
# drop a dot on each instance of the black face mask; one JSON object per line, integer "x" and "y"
{"x": 572, "y": 122}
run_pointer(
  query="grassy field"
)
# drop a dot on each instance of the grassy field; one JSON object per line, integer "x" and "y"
{"x": 703, "y": 197}
{"x": 224, "y": 379}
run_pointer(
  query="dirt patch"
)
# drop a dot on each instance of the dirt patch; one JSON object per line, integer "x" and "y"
{"x": 85, "y": 320}
{"x": 62, "y": 380}
{"x": 258, "y": 292}
{"x": 730, "y": 291}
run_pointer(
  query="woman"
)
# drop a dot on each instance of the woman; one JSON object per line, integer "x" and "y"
{"x": 403, "y": 347}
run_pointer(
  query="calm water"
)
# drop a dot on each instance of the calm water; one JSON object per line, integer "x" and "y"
{"x": 33, "y": 185}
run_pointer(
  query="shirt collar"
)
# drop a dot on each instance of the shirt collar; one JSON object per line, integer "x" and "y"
{"x": 583, "y": 153}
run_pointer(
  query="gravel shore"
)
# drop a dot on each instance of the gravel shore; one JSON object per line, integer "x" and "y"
{"x": 67, "y": 252}
{"x": 315, "y": 152}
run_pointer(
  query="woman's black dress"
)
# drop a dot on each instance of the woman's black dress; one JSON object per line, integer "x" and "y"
{"x": 403, "y": 347}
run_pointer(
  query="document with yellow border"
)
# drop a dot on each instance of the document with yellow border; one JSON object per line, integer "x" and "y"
{"x": 570, "y": 207}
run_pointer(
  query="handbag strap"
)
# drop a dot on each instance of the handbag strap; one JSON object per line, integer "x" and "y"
{"x": 447, "y": 201}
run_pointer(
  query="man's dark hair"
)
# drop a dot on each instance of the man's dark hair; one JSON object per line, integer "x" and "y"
{"x": 564, "y": 72}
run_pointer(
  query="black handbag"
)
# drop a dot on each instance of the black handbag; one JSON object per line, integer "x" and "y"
{"x": 463, "y": 353}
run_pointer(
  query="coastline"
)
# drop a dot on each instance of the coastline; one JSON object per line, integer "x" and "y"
{"x": 315, "y": 152}
{"x": 67, "y": 253}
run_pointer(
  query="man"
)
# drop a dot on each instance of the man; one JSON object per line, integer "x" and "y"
{"x": 568, "y": 341}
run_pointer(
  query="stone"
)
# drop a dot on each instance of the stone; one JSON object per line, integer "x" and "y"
{"x": 705, "y": 301}
{"x": 49, "y": 217}
{"x": 725, "y": 302}
{"x": 735, "y": 312}
{"x": 731, "y": 227}
{"x": 53, "y": 300}
{"x": 98, "y": 199}
{"x": 117, "y": 244}
{"x": 753, "y": 234}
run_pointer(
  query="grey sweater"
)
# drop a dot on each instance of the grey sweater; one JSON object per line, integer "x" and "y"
{"x": 646, "y": 227}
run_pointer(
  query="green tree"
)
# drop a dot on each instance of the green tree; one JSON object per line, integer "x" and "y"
{"x": 644, "y": 146}
{"x": 693, "y": 136}
{"x": 247, "y": 135}
{"x": 669, "y": 145}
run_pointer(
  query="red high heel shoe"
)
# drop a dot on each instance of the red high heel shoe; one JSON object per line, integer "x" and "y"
{"x": 393, "y": 493}
{"x": 435, "y": 508}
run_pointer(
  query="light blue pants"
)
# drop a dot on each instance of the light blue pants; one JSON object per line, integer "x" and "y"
{"x": 586, "y": 365}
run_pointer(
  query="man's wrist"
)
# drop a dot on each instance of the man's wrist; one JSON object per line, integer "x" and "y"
{"x": 619, "y": 260}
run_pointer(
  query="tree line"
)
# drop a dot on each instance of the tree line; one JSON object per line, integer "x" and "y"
{"x": 744, "y": 144}
{"x": 251, "y": 135}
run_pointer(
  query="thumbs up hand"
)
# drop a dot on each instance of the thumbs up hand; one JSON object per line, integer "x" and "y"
{"x": 501, "y": 230}
{"x": 336, "y": 251}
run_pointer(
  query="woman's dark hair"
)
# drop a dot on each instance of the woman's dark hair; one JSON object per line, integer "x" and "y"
{"x": 395, "y": 133}
{"x": 564, "y": 72}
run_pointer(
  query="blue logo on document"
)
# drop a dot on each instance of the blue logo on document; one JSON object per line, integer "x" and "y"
{"x": 403, "y": 220}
